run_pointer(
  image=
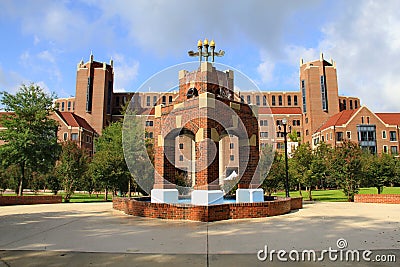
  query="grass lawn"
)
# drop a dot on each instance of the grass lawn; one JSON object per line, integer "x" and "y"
{"x": 338, "y": 195}
{"x": 84, "y": 198}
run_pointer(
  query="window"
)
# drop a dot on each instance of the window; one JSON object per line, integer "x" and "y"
{"x": 351, "y": 104}
{"x": 154, "y": 100}
{"x": 149, "y": 123}
{"x": 392, "y": 136}
{"x": 69, "y": 105}
{"x": 303, "y": 92}
{"x": 344, "y": 104}
{"x": 324, "y": 95}
{"x": 117, "y": 101}
{"x": 278, "y": 122}
{"x": 385, "y": 149}
{"x": 295, "y": 100}
{"x": 307, "y": 133}
{"x": 88, "y": 139}
{"x": 362, "y": 120}
{"x": 280, "y": 100}
{"x": 298, "y": 134}
{"x": 306, "y": 120}
{"x": 316, "y": 141}
{"x": 65, "y": 136}
{"x": 264, "y": 100}
{"x": 109, "y": 97}
{"x": 148, "y": 101}
{"x": 242, "y": 99}
{"x": 280, "y": 145}
{"x": 89, "y": 95}
{"x": 327, "y": 137}
{"x": 170, "y": 99}
{"x": 322, "y": 138}
{"x": 348, "y": 135}
{"x": 264, "y": 134}
{"x": 62, "y": 106}
{"x": 296, "y": 122}
{"x": 263, "y": 122}
{"x": 148, "y": 134}
{"x": 393, "y": 150}
{"x": 164, "y": 100}
{"x": 231, "y": 146}
{"x": 180, "y": 157}
{"x": 280, "y": 134}
{"x": 331, "y": 136}
{"x": 273, "y": 100}
{"x": 367, "y": 120}
{"x": 257, "y": 100}
{"x": 339, "y": 136}
{"x": 289, "y": 100}
{"x": 232, "y": 157}
{"x": 367, "y": 137}
{"x": 248, "y": 99}
{"x": 74, "y": 137}
{"x": 383, "y": 134}
{"x": 355, "y": 104}
{"x": 181, "y": 146}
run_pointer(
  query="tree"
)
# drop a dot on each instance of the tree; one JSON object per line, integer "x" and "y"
{"x": 275, "y": 176}
{"x": 379, "y": 170}
{"x": 70, "y": 169}
{"x": 30, "y": 135}
{"x": 108, "y": 166}
{"x": 347, "y": 168}
{"x": 301, "y": 163}
{"x": 320, "y": 164}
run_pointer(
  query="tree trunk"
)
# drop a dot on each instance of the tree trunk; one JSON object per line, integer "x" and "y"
{"x": 105, "y": 194}
{"x": 21, "y": 180}
{"x": 309, "y": 193}
{"x": 379, "y": 189}
{"x": 300, "y": 190}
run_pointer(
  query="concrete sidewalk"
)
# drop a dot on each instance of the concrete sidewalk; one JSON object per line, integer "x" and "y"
{"x": 94, "y": 234}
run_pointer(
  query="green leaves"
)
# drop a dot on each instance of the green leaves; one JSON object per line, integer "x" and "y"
{"x": 30, "y": 135}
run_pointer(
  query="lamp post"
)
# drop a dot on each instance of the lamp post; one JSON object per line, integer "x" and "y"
{"x": 285, "y": 133}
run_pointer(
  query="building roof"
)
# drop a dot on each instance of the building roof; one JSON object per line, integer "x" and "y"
{"x": 389, "y": 118}
{"x": 280, "y": 110}
{"x": 338, "y": 119}
{"x": 73, "y": 120}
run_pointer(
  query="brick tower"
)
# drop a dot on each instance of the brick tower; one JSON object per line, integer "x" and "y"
{"x": 94, "y": 90}
{"x": 319, "y": 91}
{"x": 205, "y": 111}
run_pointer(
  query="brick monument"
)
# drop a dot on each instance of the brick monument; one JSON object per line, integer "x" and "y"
{"x": 204, "y": 112}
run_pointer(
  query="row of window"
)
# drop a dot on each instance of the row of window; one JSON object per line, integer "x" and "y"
{"x": 273, "y": 100}
{"x": 163, "y": 100}
{"x": 343, "y": 104}
{"x": 70, "y": 106}
{"x": 74, "y": 137}
{"x": 393, "y": 150}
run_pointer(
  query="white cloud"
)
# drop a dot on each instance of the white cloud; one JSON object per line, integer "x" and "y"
{"x": 266, "y": 70}
{"x": 365, "y": 42}
{"x": 125, "y": 71}
{"x": 47, "y": 56}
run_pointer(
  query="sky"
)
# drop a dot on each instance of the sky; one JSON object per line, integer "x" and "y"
{"x": 44, "y": 40}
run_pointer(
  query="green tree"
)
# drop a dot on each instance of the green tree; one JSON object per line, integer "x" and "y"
{"x": 30, "y": 134}
{"x": 108, "y": 166}
{"x": 275, "y": 176}
{"x": 72, "y": 165}
{"x": 301, "y": 164}
{"x": 347, "y": 168}
{"x": 320, "y": 164}
{"x": 379, "y": 170}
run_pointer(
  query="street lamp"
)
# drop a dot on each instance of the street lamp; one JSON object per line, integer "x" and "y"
{"x": 285, "y": 133}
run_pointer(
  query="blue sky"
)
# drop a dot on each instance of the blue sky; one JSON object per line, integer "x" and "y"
{"x": 43, "y": 40}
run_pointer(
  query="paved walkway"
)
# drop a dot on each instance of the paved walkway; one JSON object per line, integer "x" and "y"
{"x": 96, "y": 235}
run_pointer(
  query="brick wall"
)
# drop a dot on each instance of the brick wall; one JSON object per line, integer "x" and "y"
{"x": 29, "y": 200}
{"x": 375, "y": 198}
{"x": 144, "y": 208}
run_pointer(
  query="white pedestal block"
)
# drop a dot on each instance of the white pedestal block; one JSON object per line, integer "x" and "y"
{"x": 164, "y": 196}
{"x": 207, "y": 197}
{"x": 249, "y": 195}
